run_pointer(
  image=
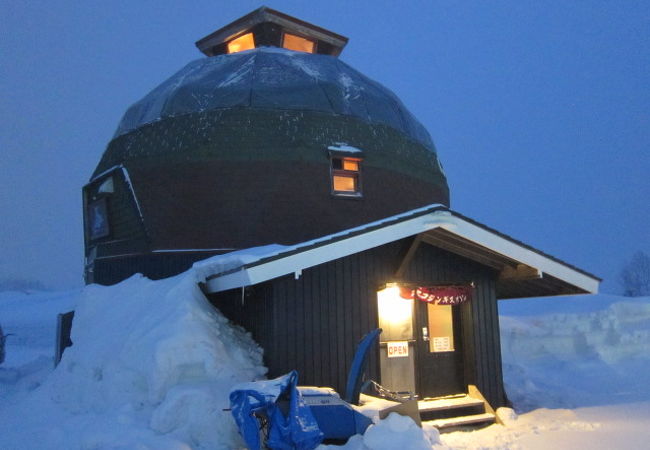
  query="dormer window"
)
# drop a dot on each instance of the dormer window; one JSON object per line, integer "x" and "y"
{"x": 298, "y": 43}
{"x": 243, "y": 42}
{"x": 346, "y": 176}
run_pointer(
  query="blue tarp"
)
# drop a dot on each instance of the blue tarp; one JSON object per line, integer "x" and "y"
{"x": 293, "y": 428}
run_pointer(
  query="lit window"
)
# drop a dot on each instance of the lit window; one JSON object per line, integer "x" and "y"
{"x": 244, "y": 42}
{"x": 346, "y": 176}
{"x": 297, "y": 43}
{"x": 441, "y": 328}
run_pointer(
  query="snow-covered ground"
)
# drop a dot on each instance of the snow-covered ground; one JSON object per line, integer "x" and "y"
{"x": 576, "y": 368}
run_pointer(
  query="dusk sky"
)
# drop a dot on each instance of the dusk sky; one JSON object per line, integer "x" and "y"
{"x": 540, "y": 110}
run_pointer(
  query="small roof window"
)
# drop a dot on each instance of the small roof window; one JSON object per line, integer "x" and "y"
{"x": 298, "y": 43}
{"x": 243, "y": 42}
{"x": 346, "y": 176}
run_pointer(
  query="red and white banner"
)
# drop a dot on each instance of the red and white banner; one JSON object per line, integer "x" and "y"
{"x": 439, "y": 295}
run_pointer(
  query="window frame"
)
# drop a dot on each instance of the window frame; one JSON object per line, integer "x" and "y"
{"x": 315, "y": 42}
{"x": 239, "y": 37}
{"x": 354, "y": 174}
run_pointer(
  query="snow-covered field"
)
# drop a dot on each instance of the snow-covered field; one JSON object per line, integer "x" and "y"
{"x": 153, "y": 363}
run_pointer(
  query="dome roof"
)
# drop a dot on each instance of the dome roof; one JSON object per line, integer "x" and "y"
{"x": 273, "y": 78}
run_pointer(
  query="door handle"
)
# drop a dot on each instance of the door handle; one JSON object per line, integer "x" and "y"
{"x": 425, "y": 334}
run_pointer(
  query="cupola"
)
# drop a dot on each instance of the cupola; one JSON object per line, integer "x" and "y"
{"x": 266, "y": 27}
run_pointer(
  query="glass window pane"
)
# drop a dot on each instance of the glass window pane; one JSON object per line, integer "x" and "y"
{"x": 337, "y": 163}
{"x": 97, "y": 219}
{"x": 350, "y": 165}
{"x": 245, "y": 42}
{"x": 441, "y": 328}
{"x": 297, "y": 43}
{"x": 344, "y": 183}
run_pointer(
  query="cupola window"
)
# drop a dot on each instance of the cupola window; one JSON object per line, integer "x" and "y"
{"x": 346, "y": 176}
{"x": 298, "y": 43}
{"x": 243, "y": 42}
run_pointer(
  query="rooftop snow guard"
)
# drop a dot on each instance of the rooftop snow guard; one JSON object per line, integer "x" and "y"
{"x": 276, "y": 79}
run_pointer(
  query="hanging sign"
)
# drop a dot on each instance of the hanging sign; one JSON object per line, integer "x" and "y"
{"x": 398, "y": 349}
{"x": 438, "y": 295}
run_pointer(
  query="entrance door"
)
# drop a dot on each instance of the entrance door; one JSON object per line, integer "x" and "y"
{"x": 439, "y": 350}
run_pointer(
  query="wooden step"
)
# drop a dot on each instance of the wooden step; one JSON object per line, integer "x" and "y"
{"x": 474, "y": 419}
{"x": 445, "y": 403}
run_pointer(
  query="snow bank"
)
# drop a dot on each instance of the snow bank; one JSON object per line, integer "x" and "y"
{"x": 153, "y": 364}
{"x": 31, "y": 318}
{"x": 587, "y": 353}
{"x": 151, "y": 367}
{"x": 580, "y": 358}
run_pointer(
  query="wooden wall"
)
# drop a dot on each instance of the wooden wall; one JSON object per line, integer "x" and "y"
{"x": 109, "y": 270}
{"x": 479, "y": 318}
{"x": 313, "y": 324}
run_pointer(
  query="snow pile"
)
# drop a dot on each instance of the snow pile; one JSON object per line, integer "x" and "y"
{"x": 394, "y": 432}
{"x": 153, "y": 363}
{"x": 151, "y": 367}
{"x": 579, "y": 358}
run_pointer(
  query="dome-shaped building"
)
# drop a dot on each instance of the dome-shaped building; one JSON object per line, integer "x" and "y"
{"x": 272, "y": 139}
{"x": 269, "y": 139}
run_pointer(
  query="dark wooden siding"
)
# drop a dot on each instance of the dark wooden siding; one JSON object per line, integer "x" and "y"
{"x": 110, "y": 270}
{"x": 480, "y": 321}
{"x": 313, "y": 324}
{"x": 125, "y": 224}
{"x": 242, "y": 186}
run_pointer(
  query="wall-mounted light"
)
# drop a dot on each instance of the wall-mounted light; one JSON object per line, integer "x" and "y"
{"x": 395, "y": 314}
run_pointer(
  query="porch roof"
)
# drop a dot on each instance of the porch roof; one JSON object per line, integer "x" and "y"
{"x": 523, "y": 271}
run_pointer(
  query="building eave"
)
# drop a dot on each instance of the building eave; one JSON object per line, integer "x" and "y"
{"x": 496, "y": 249}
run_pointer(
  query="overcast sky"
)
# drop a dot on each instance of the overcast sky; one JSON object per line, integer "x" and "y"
{"x": 540, "y": 110}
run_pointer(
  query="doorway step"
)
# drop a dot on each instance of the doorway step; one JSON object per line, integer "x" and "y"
{"x": 455, "y": 412}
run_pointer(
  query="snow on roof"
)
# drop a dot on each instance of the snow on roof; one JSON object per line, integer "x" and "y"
{"x": 251, "y": 266}
{"x": 274, "y": 78}
{"x": 343, "y": 147}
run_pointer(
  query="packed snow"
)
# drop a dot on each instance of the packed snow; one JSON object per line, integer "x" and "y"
{"x": 344, "y": 148}
{"x": 153, "y": 363}
{"x": 151, "y": 367}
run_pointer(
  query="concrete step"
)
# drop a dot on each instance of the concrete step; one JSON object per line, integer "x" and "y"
{"x": 475, "y": 419}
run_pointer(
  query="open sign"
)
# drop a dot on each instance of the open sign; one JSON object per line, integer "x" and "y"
{"x": 398, "y": 349}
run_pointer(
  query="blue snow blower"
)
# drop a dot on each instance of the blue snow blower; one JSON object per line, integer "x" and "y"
{"x": 281, "y": 415}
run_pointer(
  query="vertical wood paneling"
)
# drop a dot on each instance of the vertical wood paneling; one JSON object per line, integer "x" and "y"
{"x": 341, "y": 325}
{"x": 318, "y": 320}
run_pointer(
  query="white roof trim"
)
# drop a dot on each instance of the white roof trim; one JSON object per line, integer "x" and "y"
{"x": 510, "y": 249}
{"x": 354, "y": 244}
